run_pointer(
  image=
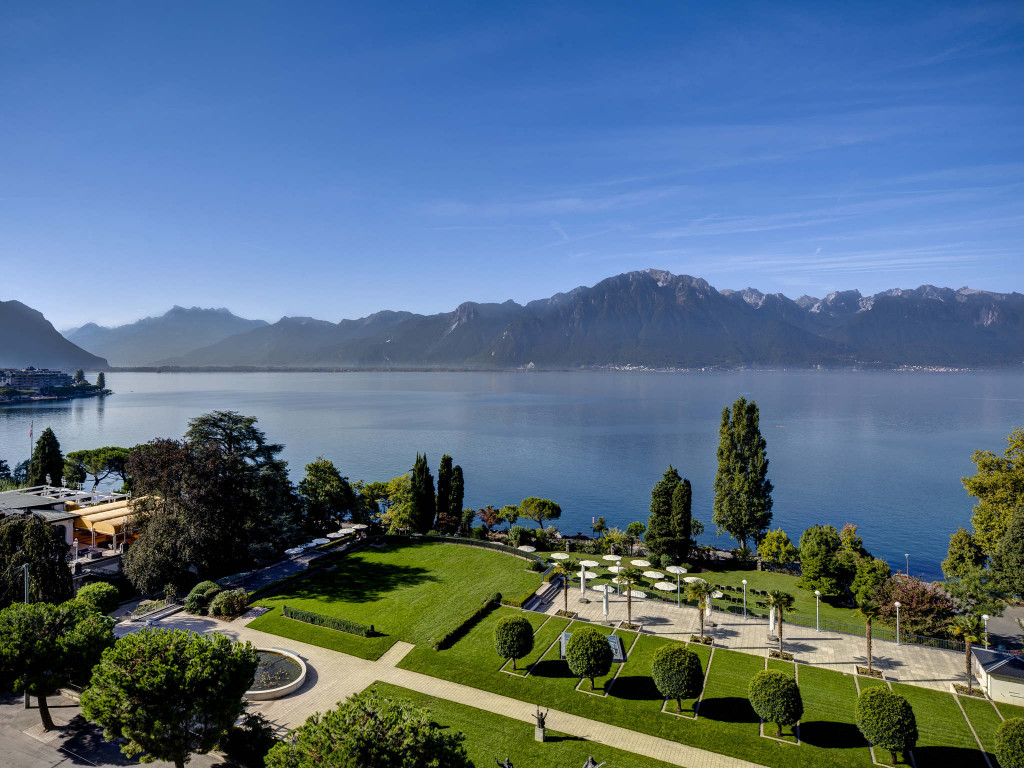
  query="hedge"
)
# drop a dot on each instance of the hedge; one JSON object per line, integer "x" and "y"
{"x": 1010, "y": 743}
{"x": 330, "y": 622}
{"x": 483, "y": 544}
{"x": 448, "y": 639}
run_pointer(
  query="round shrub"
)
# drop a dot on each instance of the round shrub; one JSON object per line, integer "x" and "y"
{"x": 775, "y": 697}
{"x": 886, "y": 720}
{"x": 588, "y": 654}
{"x": 666, "y": 561}
{"x": 1010, "y": 743}
{"x": 229, "y": 603}
{"x": 198, "y": 599}
{"x": 677, "y": 673}
{"x": 102, "y": 596}
{"x": 513, "y": 638}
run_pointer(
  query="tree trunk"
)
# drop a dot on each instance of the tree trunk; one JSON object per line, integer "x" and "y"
{"x": 778, "y": 733}
{"x": 629, "y": 604}
{"x": 679, "y": 705}
{"x": 513, "y": 664}
{"x": 565, "y": 591}
{"x": 867, "y": 633}
{"x": 179, "y": 762}
{"x": 970, "y": 677}
{"x": 591, "y": 683}
{"x": 44, "y": 714}
{"x": 892, "y": 757}
{"x": 700, "y": 614}
{"x": 780, "y": 632}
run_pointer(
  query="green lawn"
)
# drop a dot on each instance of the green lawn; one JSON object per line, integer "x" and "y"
{"x": 984, "y": 718}
{"x": 490, "y": 736}
{"x": 943, "y": 735}
{"x": 1010, "y": 710}
{"x": 412, "y": 591}
{"x": 828, "y": 721}
{"x": 726, "y": 724}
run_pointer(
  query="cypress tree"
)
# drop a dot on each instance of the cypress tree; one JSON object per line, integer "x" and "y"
{"x": 743, "y": 492}
{"x": 47, "y": 459}
{"x": 456, "y": 498}
{"x": 101, "y": 380}
{"x": 682, "y": 520}
{"x": 445, "y": 522}
{"x": 424, "y": 501}
{"x": 660, "y": 535}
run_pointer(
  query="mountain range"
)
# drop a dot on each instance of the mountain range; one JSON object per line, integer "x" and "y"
{"x": 28, "y": 338}
{"x": 649, "y": 318}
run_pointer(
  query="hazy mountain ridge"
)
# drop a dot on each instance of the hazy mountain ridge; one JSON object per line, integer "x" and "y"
{"x": 28, "y": 338}
{"x": 151, "y": 339}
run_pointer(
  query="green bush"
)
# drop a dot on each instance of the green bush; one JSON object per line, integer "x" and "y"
{"x": 516, "y": 535}
{"x": 775, "y": 697}
{"x": 330, "y": 622}
{"x": 588, "y": 654}
{"x": 536, "y": 566}
{"x": 247, "y": 744}
{"x": 1010, "y": 743}
{"x": 197, "y": 600}
{"x": 229, "y": 603}
{"x": 666, "y": 561}
{"x": 677, "y": 673}
{"x": 886, "y": 720}
{"x": 100, "y": 595}
{"x": 480, "y": 533}
{"x": 513, "y": 638}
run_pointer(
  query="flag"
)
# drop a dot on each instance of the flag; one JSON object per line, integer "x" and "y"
{"x": 31, "y": 426}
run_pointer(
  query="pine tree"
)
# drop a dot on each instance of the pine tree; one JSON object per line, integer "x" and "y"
{"x": 79, "y": 377}
{"x": 46, "y": 460}
{"x": 424, "y": 500}
{"x": 743, "y": 492}
{"x": 455, "y": 511}
{"x": 682, "y": 520}
{"x": 660, "y": 534}
{"x": 101, "y": 380}
{"x": 444, "y": 495}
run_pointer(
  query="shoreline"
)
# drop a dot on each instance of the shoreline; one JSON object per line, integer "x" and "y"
{"x": 871, "y": 368}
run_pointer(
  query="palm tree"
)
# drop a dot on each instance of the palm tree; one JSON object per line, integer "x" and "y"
{"x": 970, "y": 627}
{"x": 565, "y": 569}
{"x": 870, "y": 610}
{"x": 700, "y": 591}
{"x": 780, "y": 602}
{"x": 629, "y": 577}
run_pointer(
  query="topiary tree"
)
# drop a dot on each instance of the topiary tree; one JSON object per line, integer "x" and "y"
{"x": 513, "y": 638}
{"x": 101, "y": 595}
{"x": 886, "y": 720}
{"x": 775, "y": 697}
{"x": 588, "y": 654}
{"x": 199, "y": 597}
{"x": 1010, "y": 743}
{"x": 370, "y": 730}
{"x": 677, "y": 673}
{"x": 169, "y": 693}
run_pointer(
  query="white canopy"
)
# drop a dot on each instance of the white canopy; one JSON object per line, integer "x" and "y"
{"x": 526, "y": 548}
{"x": 320, "y": 541}
{"x": 677, "y": 569}
{"x": 589, "y": 563}
{"x": 694, "y": 580}
{"x": 654, "y": 575}
{"x": 616, "y": 558}
{"x": 335, "y": 535}
{"x": 716, "y": 594}
{"x": 641, "y": 563}
{"x": 637, "y": 593}
{"x": 665, "y": 586}
{"x": 615, "y": 568}
{"x": 589, "y": 575}
{"x": 359, "y": 527}
{"x": 604, "y": 588}
{"x": 559, "y": 555}
{"x": 293, "y": 551}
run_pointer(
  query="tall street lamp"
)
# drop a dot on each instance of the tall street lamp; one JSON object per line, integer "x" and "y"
{"x": 984, "y": 617}
{"x": 897, "y": 604}
{"x": 744, "y": 598}
{"x": 907, "y": 555}
{"x": 817, "y": 610}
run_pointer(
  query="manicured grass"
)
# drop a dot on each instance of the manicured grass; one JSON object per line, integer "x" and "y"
{"x": 726, "y": 724}
{"x": 943, "y": 735}
{"x": 489, "y": 736}
{"x": 412, "y": 591}
{"x": 1010, "y": 710}
{"x": 866, "y": 682}
{"x": 544, "y": 637}
{"x": 536, "y": 620}
{"x": 830, "y": 699}
{"x": 984, "y": 718}
{"x": 363, "y": 647}
{"x": 782, "y": 666}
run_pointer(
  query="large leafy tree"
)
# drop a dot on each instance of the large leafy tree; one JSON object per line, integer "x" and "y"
{"x": 743, "y": 492}
{"x": 539, "y": 510}
{"x": 1008, "y": 561}
{"x": 677, "y": 673}
{"x": 775, "y": 697}
{"x": 924, "y": 609}
{"x": 872, "y": 572}
{"x": 424, "y": 498}
{"x": 820, "y": 568}
{"x": 169, "y": 693}
{"x": 369, "y": 730}
{"x": 776, "y": 548}
{"x": 513, "y": 638}
{"x": 29, "y": 540}
{"x": 998, "y": 485}
{"x": 886, "y": 720}
{"x": 47, "y": 460}
{"x": 588, "y": 654}
{"x": 97, "y": 463}
{"x": 963, "y": 556}
{"x": 326, "y": 496}
{"x": 44, "y": 646}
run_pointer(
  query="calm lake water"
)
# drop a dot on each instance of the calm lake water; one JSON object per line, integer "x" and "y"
{"x": 883, "y": 450}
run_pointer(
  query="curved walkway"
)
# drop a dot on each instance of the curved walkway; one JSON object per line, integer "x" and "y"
{"x": 334, "y": 676}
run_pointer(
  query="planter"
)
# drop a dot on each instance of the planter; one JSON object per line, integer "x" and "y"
{"x": 539, "y": 732}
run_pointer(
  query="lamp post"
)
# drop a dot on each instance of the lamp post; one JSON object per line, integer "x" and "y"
{"x": 907, "y": 555}
{"x": 984, "y": 617}
{"x": 897, "y": 604}
{"x": 744, "y": 598}
{"x": 817, "y": 610}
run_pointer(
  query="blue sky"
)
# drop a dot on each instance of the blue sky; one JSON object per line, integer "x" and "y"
{"x": 336, "y": 159}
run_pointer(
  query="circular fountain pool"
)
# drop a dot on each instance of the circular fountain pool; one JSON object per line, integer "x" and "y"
{"x": 279, "y": 673}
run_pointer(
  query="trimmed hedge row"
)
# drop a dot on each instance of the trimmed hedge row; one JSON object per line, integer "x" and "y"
{"x": 330, "y": 622}
{"x": 448, "y": 639}
{"x": 518, "y": 602}
{"x": 484, "y": 545}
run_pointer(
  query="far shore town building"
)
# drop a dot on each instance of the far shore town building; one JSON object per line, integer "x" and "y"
{"x": 39, "y": 380}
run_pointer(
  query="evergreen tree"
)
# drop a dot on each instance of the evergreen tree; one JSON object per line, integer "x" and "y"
{"x": 1008, "y": 562}
{"x": 998, "y": 485}
{"x": 5, "y": 471}
{"x": 670, "y": 527}
{"x": 79, "y": 377}
{"x": 682, "y": 520}
{"x": 42, "y": 546}
{"x": 424, "y": 500}
{"x": 445, "y": 522}
{"x": 458, "y": 492}
{"x": 101, "y": 380}
{"x": 743, "y": 492}
{"x": 964, "y": 555}
{"x": 326, "y": 496}
{"x": 46, "y": 460}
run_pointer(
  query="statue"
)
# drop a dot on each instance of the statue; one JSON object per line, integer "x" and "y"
{"x": 506, "y": 764}
{"x": 592, "y": 763}
{"x": 539, "y": 733}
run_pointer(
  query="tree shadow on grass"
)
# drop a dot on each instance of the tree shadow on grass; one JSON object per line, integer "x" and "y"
{"x": 728, "y": 709}
{"x": 551, "y": 668}
{"x": 634, "y": 688}
{"x": 831, "y": 735}
{"x": 958, "y": 756}
{"x": 356, "y": 581}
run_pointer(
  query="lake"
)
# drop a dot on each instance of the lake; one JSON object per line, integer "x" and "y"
{"x": 884, "y": 450}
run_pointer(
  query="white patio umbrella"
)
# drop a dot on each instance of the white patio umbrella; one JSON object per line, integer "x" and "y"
{"x": 665, "y": 586}
{"x": 616, "y": 568}
{"x": 583, "y": 574}
{"x": 308, "y": 545}
{"x": 640, "y": 563}
{"x": 589, "y": 574}
{"x": 714, "y": 596}
{"x": 637, "y": 593}
{"x": 320, "y": 541}
{"x": 359, "y": 527}
{"x": 693, "y": 579}
{"x": 589, "y": 563}
{"x": 654, "y": 575}
{"x": 526, "y": 548}
{"x": 560, "y": 556}
{"x": 293, "y": 551}
{"x": 608, "y": 588}
{"x": 677, "y": 570}
{"x": 335, "y": 534}
{"x": 616, "y": 558}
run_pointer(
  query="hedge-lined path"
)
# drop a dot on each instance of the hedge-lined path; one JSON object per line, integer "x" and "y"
{"x": 333, "y": 676}
{"x": 913, "y": 664}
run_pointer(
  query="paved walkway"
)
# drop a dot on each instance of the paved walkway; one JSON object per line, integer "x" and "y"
{"x": 914, "y": 664}
{"x": 334, "y": 676}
